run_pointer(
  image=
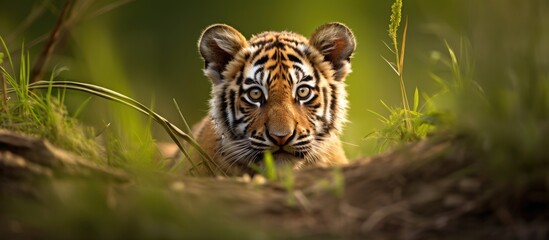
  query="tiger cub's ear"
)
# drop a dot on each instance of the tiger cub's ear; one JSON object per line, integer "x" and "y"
{"x": 218, "y": 44}
{"x": 337, "y": 43}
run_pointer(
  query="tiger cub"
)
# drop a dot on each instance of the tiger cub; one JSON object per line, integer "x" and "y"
{"x": 277, "y": 92}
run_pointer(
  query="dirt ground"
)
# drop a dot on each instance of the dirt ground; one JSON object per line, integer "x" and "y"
{"x": 425, "y": 190}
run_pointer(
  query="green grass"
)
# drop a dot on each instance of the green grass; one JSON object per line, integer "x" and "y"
{"x": 41, "y": 114}
{"x": 403, "y": 124}
{"x": 46, "y": 116}
{"x": 93, "y": 207}
{"x": 503, "y": 112}
{"x": 395, "y": 129}
{"x": 509, "y": 129}
{"x": 173, "y": 131}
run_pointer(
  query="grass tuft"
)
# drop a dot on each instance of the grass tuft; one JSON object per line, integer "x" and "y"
{"x": 46, "y": 116}
{"x": 173, "y": 131}
{"x": 43, "y": 115}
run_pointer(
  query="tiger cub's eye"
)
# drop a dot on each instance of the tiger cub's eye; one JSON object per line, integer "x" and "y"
{"x": 255, "y": 94}
{"x": 303, "y": 92}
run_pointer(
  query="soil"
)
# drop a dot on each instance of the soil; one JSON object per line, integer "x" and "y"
{"x": 424, "y": 190}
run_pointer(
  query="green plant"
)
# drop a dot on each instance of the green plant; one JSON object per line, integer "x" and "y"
{"x": 398, "y": 65}
{"x": 34, "y": 108}
{"x": 38, "y": 114}
{"x": 404, "y": 124}
{"x": 270, "y": 168}
{"x": 395, "y": 131}
{"x": 93, "y": 206}
{"x": 173, "y": 131}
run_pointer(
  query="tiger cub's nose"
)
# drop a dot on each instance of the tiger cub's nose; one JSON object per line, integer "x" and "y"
{"x": 281, "y": 138}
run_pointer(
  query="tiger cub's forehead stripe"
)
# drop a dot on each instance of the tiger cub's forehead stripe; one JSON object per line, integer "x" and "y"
{"x": 262, "y": 60}
{"x": 285, "y": 62}
{"x": 293, "y": 58}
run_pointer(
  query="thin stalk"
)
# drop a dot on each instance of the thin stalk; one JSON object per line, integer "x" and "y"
{"x": 35, "y": 14}
{"x": 4, "y": 94}
{"x": 400, "y": 68}
{"x": 54, "y": 38}
{"x": 189, "y": 130}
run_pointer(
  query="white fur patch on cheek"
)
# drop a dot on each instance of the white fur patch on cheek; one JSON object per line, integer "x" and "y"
{"x": 318, "y": 126}
{"x": 214, "y": 103}
{"x": 240, "y": 128}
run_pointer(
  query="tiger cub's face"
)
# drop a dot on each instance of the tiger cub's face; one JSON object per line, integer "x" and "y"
{"x": 277, "y": 92}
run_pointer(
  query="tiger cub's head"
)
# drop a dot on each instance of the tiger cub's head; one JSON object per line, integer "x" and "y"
{"x": 278, "y": 92}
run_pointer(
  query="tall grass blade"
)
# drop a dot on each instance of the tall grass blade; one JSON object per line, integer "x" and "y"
{"x": 389, "y": 47}
{"x": 189, "y": 130}
{"x": 7, "y": 52}
{"x": 416, "y": 100}
{"x": 171, "y": 129}
{"x": 405, "y": 103}
{"x": 381, "y": 117}
{"x": 81, "y": 107}
{"x": 392, "y": 65}
{"x": 439, "y": 80}
{"x": 270, "y": 169}
{"x": 455, "y": 65}
{"x": 4, "y": 88}
{"x": 386, "y": 106}
{"x": 403, "y": 47}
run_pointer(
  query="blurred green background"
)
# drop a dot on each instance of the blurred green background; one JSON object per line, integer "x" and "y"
{"x": 147, "y": 49}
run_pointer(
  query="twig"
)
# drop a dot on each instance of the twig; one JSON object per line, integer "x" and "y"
{"x": 303, "y": 201}
{"x": 54, "y": 38}
{"x": 108, "y": 8}
{"x": 35, "y": 13}
{"x": 73, "y": 18}
{"x": 382, "y": 213}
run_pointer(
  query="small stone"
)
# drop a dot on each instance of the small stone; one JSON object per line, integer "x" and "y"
{"x": 178, "y": 186}
{"x": 245, "y": 178}
{"x": 259, "y": 180}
